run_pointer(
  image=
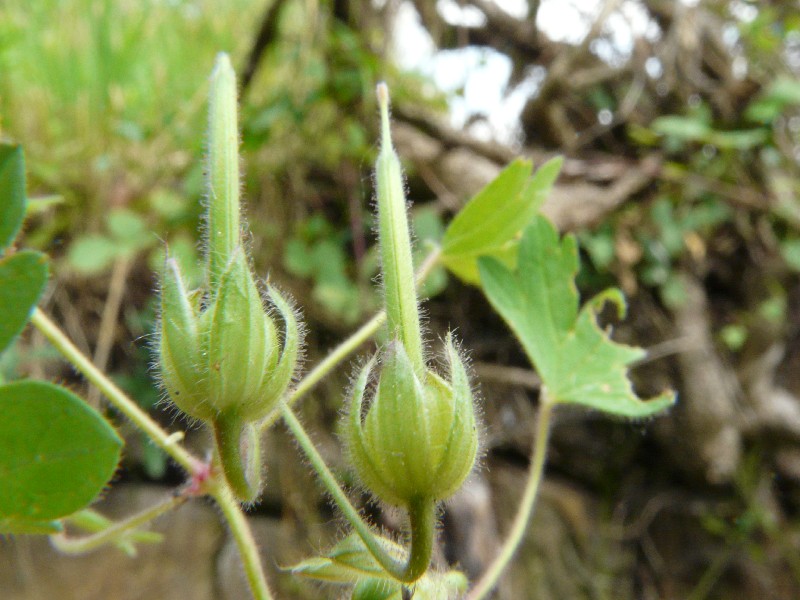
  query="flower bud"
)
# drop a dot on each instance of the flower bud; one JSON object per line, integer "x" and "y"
{"x": 418, "y": 438}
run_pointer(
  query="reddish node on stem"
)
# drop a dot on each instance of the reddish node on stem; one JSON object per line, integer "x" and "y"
{"x": 201, "y": 474}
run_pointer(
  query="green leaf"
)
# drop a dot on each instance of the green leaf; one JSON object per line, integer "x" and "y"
{"x": 739, "y": 140}
{"x": 56, "y": 454}
{"x": 790, "y": 250}
{"x": 690, "y": 129}
{"x": 23, "y": 277}
{"x": 129, "y": 230}
{"x": 490, "y": 223}
{"x": 577, "y": 361}
{"x": 349, "y": 562}
{"x": 12, "y": 193}
{"x": 40, "y": 204}
{"x": 28, "y": 526}
{"x": 92, "y": 254}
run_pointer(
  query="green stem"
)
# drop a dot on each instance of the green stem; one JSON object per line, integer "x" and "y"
{"x": 248, "y": 550}
{"x": 422, "y": 516}
{"x": 115, "y": 395}
{"x": 347, "y": 347}
{"x": 241, "y": 472}
{"x": 490, "y": 578}
{"x": 113, "y": 533}
{"x": 394, "y": 567}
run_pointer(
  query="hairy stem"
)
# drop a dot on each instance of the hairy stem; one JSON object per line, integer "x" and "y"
{"x": 489, "y": 579}
{"x": 115, "y": 396}
{"x": 242, "y": 471}
{"x": 422, "y": 516}
{"x": 114, "y": 532}
{"x": 248, "y": 550}
{"x": 394, "y": 567}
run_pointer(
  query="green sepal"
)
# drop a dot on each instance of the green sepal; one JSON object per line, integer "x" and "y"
{"x": 282, "y": 371}
{"x": 462, "y": 441}
{"x": 179, "y": 347}
{"x": 241, "y": 341}
{"x": 396, "y": 429}
{"x": 360, "y": 454}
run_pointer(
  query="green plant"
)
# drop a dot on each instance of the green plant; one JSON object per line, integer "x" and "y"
{"x": 226, "y": 361}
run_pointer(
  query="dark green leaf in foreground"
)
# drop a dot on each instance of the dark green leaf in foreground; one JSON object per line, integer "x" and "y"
{"x": 56, "y": 455}
{"x": 12, "y": 193}
{"x": 577, "y": 361}
{"x": 490, "y": 223}
{"x": 23, "y": 277}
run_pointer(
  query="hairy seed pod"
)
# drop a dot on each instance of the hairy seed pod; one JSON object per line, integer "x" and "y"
{"x": 419, "y": 437}
{"x": 226, "y": 360}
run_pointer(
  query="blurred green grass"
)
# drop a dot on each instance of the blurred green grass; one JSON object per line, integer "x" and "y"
{"x": 107, "y": 96}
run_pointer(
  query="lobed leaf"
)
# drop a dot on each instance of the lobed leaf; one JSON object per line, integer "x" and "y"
{"x": 56, "y": 455}
{"x": 491, "y": 221}
{"x": 577, "y": 361}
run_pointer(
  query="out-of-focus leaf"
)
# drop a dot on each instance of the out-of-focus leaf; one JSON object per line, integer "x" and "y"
{"x": 41, "y": 203}
{"x": 23, "y": 277}
{"x": 428, "y": 229}
{"x": 12, "y": 193}
{"x": 128, "y": 230}
{"x": 56, "y": 454}
{"x": 739, "y": 140}
{"x": 790, "y": 250}
{"x": 92, "y": 254}
{"x": 690, "y": 129}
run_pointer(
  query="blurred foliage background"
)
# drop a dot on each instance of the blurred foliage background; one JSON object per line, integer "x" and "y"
{"x": 680, "y": 123}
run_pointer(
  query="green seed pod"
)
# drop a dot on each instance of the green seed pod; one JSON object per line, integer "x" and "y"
{"x": 226, "y": 362}
{"x": 419, "y": 438}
